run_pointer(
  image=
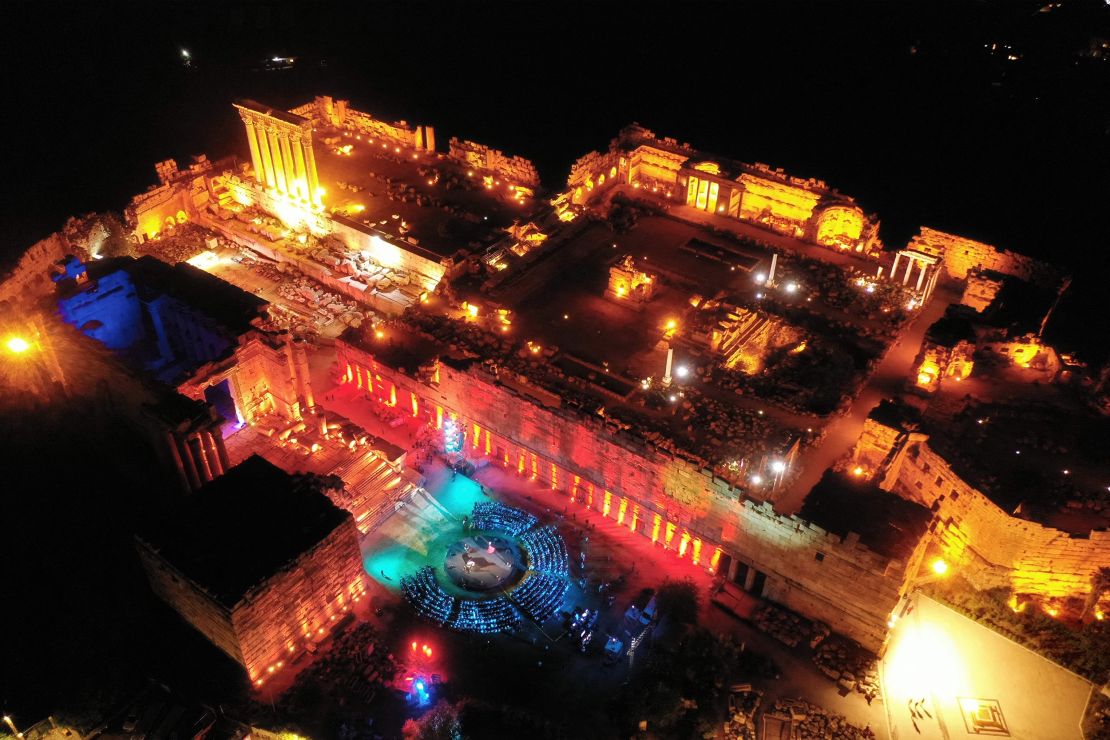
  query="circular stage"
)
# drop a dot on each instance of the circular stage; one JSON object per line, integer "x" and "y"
{"x": 483, "y": 563}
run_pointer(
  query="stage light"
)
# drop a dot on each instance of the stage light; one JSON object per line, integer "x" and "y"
{"x": 778, "y": 466}
{"x": 17, "y": 345}
{"x": 682, "y": 371}
{"x": 940, "y": 567}
{"x": 757, "y": 479}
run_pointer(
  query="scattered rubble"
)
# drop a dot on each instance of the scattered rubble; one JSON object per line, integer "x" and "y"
{"x": 811, "y": 722}
{"x": 852, "y": 667}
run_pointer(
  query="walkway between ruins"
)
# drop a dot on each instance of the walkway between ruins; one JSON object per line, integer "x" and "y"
{"x": 887, "y": 381}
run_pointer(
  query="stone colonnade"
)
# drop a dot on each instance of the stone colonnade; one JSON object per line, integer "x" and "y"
{"x": 200, "y": 455}
{"x": 928, "y": 273}
{"x": 281, "y": 152}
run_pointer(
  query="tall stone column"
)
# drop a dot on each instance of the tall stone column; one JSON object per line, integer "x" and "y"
{"x": 256, "y": 155}
{"x": 275, "y": 155}
{"x": 310, "y": 169}
{"x": 909, "y": 269}
{"x": 267, "y": 159}
{"x": 894, "y": 267}
{"x": 921, "y": 276}
{"x": 184, "y": 466}
{"x": 287, "y": 164}
{"x": 298, "y": 161}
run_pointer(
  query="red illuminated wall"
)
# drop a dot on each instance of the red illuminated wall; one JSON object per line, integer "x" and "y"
{"x": 653, "y": 494}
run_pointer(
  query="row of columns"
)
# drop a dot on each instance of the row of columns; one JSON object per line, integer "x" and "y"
{"x": 911, "y": 260}
{"x": 200, "y": 456}
{"x": 282, "y": 158}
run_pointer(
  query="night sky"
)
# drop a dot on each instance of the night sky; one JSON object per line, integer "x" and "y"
{"x": 900, "y": 105}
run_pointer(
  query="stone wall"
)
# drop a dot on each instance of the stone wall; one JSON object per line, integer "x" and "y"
{"x": 962, "y": 255}
{"x": 990, "y": 547}
{"x": 325, "y": 111}
{"x": 515, "y": 170}
{"x": 678, "y": 504}
{"x": 189, "y": 600}
{"x": 28, "y": 280}
{"x": 300, "y": 604}
{"x": 993, "y": 548}
{"x": 590, "y": 172}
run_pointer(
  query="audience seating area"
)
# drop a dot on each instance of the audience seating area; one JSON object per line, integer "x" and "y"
{"x": 427, "y": 597}
{"x": 547, "y": 550}
{"x": 540, "y": 595}
{"x": 491, "y": 516}
{"x": 486, "y": 617}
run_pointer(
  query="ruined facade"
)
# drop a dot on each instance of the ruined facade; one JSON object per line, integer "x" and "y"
{"x": 324, "y": 111}
{"x": 806, "y": 209}
{"x": 989, "y": 546}
{"x": 961, "y": 255}
{"x": 262, "y": 603}
{"x": 199, "y": 335}
{"x": 677, "y": 503}
{"x": 487, "y": 160}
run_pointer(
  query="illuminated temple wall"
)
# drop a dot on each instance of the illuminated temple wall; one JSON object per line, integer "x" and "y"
{"x": 592, "y": 173}
{"x": 265, "y": 374}
{"x": 802, "y": 208}
{"x": 300, "y": 604}
{"x": 783, "y": 207}
{"x": 987, "y": 545}
{"x": 683, "y": 507}
{"x": 277, "y": 619}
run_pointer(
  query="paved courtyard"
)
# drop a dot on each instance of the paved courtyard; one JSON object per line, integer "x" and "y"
{"x": 949, "y": 669}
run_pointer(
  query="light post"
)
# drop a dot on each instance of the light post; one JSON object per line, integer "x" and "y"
{"x": 778, "y": 467}
{"x": 11, "y": 725}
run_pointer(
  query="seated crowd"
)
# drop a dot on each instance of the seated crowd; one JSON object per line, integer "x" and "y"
{"x": 487, "y": 617}
{"x": 547, "y": 551}
{"x": 540, "y": 595}
{"x": 491, "y": 516}
{"x": 426, "y": 596}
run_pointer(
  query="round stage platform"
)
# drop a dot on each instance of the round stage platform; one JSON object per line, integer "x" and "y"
{"x": 481, "y": 563}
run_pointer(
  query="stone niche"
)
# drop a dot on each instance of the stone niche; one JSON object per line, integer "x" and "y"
{"x": 630, "y": 286}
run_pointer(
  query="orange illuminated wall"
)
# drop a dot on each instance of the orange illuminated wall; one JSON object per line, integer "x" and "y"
{"x": 782, "y": 201}
{"x": 840, "y": 226}
{"x": 656, "y": 164}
